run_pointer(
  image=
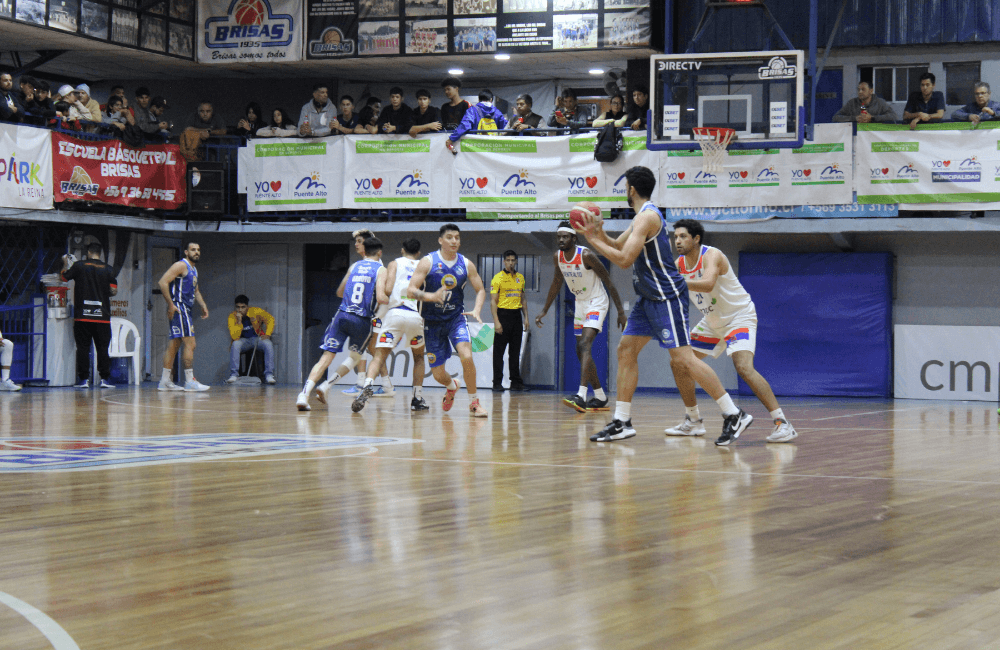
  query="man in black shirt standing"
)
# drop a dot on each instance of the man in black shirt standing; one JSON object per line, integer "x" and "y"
{"x": 95, "y": 284}
{"x": 425, "y": 117}
{"x": 453, "y": 112}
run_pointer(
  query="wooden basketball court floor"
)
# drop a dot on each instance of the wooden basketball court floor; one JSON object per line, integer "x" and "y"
{"x": 133, "y": 519}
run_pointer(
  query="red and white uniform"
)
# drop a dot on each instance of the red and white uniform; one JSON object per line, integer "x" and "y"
{"x": 591, "y": 297}
{"x": 729, "y": 318}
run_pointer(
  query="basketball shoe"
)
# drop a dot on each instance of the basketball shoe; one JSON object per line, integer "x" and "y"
{"x": 105, "y": 384}
{"x": 595, "y": 405}
{"x": 615, "y": 430}
{"x": 9, "y": 385}
{"x": 418, "y": 404}
{"x": 575, "y": 402}
{"x": 302, "y": 402}
{"x": 688, "y": 427}
{"x": 783, "y": 432}
{"x": 169, "y": 386}
{"x": 353, "y": 390}
{"x": 321, "y": 392}
{"x": 733, "y": 426}
{"x": 359, "y": 401}
{"x": 195, "y": 386}
{"x": 477, "y": 410}
{"x": 382, "y": 392}
{"x": 84, "y": 383}
{"x": 449, "y": 399}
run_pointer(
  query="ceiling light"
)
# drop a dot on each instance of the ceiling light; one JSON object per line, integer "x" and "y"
{"x": 596, "y": 71}
{"x": 456, "y": 71}
{"x": 502, "y": 57}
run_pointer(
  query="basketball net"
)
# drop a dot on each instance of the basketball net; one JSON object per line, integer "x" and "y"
{"x": 713, "y": 143}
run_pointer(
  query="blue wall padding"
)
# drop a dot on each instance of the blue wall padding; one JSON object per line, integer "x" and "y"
{"x": 824, "y": 322}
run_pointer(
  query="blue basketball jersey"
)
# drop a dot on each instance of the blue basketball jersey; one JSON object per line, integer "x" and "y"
{"x": 183, "y": 288}
{"x": 654, "y": 275}
{"x": 359, "y": 291}
{"x": 453, "y": 278}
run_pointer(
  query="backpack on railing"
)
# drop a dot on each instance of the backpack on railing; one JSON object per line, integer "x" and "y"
{"x": 609, "y": 143}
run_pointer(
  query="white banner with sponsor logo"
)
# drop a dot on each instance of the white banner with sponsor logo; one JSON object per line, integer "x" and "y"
{"x": 249, "y": 31}
{"x": 540, "y": 177}
{"x": 25, "y": 167}
{"x": 937, "y": 163}
{"x": 391, "y": 172}
{"x": 946, "y": 362}
{"x": 818, "y": 173}
{"x": 293, "y": 174}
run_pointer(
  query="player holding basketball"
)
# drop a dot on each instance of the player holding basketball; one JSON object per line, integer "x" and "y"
{"x": 660, "y": 312}
{"x": 402, "y": 322}
{"x": 590, "y": 283}
{"x": 439, "y": 282}
{"x": 353, "y": 321}
{"x": 179, "y": 287}
{"x": 729, "y": 322}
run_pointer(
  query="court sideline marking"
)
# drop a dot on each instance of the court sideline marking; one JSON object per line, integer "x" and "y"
{"x": 57, "y": 636}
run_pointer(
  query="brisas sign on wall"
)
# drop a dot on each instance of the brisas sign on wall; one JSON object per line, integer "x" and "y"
{"x": 249, "y": 30}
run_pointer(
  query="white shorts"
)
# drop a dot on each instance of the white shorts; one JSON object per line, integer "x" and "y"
{"x": 737, "y": 336}
{"x": 590, "y": 313}
{"x": 378, "y": 320}
{"x": 400, "y": 325}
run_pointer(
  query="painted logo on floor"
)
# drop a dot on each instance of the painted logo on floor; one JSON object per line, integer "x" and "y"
{"x": 85, "y": 454}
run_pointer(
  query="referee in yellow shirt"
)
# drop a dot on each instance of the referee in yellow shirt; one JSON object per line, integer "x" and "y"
{"x": 508, "y": 304}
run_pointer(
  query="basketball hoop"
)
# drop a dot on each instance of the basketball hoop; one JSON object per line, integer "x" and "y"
{"x": 713, "y": 141}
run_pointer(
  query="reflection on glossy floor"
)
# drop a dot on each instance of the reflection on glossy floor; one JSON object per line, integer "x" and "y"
{"x": 877, "y": 528}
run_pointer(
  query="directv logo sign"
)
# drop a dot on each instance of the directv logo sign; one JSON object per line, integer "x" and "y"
{"x": 683, "y": 66}
{"x": 777, "y": 68}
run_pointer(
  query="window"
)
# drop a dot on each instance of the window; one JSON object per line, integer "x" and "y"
{"x": 528, "y": 265}
{"x": 893, "y": 84}
{"x": 960, "y": 79}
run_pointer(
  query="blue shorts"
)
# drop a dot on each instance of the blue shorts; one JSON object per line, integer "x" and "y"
{"x": 181, "y": 325}
{"x": 346, "y": 326}
{"x": 440, "y": 336}
{"x": 665, "y": 321}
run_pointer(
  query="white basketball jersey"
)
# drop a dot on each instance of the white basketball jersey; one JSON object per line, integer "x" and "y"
{"x": 583, "y": 282}
{"x": 404, "y": 271}
{"x": 725, "y": 302}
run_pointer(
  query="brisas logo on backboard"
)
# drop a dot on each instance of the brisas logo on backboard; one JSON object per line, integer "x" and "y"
{"x": 778, "y": 68}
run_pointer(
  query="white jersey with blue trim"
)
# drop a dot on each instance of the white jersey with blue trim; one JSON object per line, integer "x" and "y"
{"x": 582, "y": 282}
{"x": 726, "y": 302}
{"x": 404, "y": 271}
{"x": 654, "y": 275}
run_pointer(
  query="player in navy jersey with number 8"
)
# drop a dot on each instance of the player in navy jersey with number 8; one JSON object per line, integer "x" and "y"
{"x": 353, "y": 322}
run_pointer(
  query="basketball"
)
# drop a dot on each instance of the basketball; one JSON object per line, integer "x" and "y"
{"x": 580, "y": 210}
{"x": 249, "y": 12}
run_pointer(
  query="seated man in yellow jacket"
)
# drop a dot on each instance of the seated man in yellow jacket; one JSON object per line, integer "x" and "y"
{"x": 250, "y": 326}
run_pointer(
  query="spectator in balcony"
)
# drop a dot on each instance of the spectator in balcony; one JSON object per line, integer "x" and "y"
{"x": 567, "y": 116}
{"x": 368, "y": 119}
{"x": 397, "y": 117}
{"x": 251, "y": 122}
{"x": 636, "y": 119}
{"x": 73, "y": 108}
{"x": 93, "y": 107}
{"x": 11, "y": 109}
{"x": 981, "y": 109}
{"x": 157, "y": 107}
{"x": 924, "y": 105}
{"x": 27, "y": 94}
{"x": 426, "y": 118}
{"x": 281, "y": 126}
{"x": 524, "y": 117}
{"x": 453, "y": 112}
{"x": 318, "y": 114}
{"x": 347, "y": 119}
{"x": 115, "y": 91}
{"x": 616, "y": 115}
{"x": 205, "y": 121}
{"x": 114, "y": 113}
{"x": 42, "y": 105}
{"x": 145, "y": 120}
{"x": 866, "y": 107}
{"x": 482, "y": 116}
{"x": 250, "y": 328}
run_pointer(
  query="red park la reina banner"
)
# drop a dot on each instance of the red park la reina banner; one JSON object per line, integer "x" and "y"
{"x": 109, "y": 171}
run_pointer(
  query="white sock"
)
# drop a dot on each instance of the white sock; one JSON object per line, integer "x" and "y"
{"x": 692, "y": 412}
{"x": 778, "y": 414}
{"x": 165, "y": 376}
{"x": 623, "y": 411}
{"x": 582, "y": 393}
{"x": 310, "y": 384}
{"x": 361, "y": 381}
{"x": 473, "y": 397}
{"x": 454, "y": 382}
{"x": 387, "y": 383}
{"x": 726, "y": 404}
{"x": 418, "y": 391}
{"x": 4, "y": 374}
{"x": 189, "y": 374}
{"x": 368, "y": 382}
{"x": 599, "y": 394}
